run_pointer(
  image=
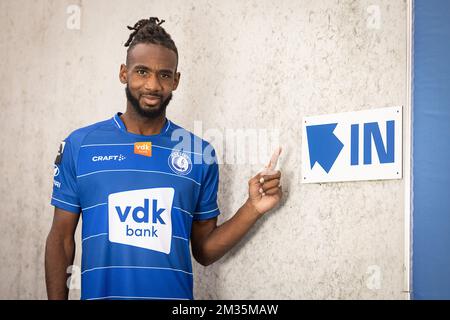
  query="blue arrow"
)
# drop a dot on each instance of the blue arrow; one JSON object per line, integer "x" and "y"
{"x": 324, "y": 146}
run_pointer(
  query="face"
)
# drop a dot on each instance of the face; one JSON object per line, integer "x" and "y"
{"x": 150, "y": 75}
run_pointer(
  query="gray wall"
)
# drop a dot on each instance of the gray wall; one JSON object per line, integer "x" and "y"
{"x": 259, "y": 65}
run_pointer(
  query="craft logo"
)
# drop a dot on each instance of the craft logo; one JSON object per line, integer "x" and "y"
{"x": 117, "y": 157}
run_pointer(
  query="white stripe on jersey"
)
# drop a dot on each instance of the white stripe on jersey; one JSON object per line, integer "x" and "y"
{"x": 177, "y": 150}
{"x": 95, "y": 235}
{"x": 107, "y": 144}
{"x": 190, "y": 214}
{"x": 135, "y": 267}
{"x": 180, "y": 238}
{"x": 101, "y": 204}
{"x": 203, "y": 212}
{"x": 96, "y": 205}
{"x": 168, "y": 126}
{"x": 70, "y": 204}
{"x": 136, "y": 170}
{"x": 132, "y": 144}
{"x": 125, "y": 297}
{"x": 104, "y": 234}
{"x": 117, "y": 122}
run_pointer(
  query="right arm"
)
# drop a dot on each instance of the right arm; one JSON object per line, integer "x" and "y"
{"x": 59, "y": 253}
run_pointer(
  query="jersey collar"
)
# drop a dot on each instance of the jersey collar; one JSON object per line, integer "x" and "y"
{"x": 120, "y": 125}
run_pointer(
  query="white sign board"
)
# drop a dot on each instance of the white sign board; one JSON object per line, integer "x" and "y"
{"x": 362, "y": 145}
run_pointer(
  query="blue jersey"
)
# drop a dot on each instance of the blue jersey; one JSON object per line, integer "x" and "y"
{"x": 138, "y": 196}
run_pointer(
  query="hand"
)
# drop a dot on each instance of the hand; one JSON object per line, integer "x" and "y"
{"x": 264, "y": 189}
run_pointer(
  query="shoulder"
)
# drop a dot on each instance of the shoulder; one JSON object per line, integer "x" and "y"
{"x": 195, "y": 142}
{"x": 76, "y": 137}
{"x": 200, "y": 149}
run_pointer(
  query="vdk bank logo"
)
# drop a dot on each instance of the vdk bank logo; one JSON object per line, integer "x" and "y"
{"x": 143, "y": 148}
{"x": 142, "y": 218}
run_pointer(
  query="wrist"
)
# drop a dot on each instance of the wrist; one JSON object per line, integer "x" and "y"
{"x": 251, "y": 209}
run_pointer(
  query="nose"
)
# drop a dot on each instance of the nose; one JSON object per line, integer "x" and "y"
{"x": 153, "y": 84}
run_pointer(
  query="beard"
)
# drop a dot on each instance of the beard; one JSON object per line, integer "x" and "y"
{"x": 147, "y": 113}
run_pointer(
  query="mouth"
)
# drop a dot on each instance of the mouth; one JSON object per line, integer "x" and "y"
{"x": 149, "y": 99}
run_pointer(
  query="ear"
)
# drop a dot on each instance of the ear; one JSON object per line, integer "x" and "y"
{"x": 123, "y": 74}
{"x": 176, "y": 80}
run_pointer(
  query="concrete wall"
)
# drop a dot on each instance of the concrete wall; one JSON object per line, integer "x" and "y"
{"x": 259, "y": 65}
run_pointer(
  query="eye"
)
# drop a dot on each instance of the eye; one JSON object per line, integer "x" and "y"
{"x": 141, "y": 72}
{"x": 166, "y": 75}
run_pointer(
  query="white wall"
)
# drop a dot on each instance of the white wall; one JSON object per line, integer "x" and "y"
{"x": 259, "y": 65}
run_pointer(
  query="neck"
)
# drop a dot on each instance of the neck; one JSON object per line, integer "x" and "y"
{"x": 137, "y": 124}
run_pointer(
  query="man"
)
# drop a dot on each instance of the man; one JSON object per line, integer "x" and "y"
{"x": 141, "y": 196}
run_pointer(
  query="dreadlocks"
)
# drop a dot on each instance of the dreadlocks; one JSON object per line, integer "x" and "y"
{"x": 150, "y": 31}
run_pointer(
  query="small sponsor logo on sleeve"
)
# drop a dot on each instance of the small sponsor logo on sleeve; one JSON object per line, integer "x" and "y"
{"x": 60, "y": 153}
{"x": 56, "y": 174}
{"x": 55, "y": 170}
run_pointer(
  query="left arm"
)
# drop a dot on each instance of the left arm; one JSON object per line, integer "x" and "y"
{"x": 210, "y": 242}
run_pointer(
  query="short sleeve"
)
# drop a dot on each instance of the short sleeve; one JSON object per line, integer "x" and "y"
{"x": 207, "y": 207}
{"x": 65, "y": 190}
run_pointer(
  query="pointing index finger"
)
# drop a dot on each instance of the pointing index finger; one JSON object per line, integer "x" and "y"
{"x": 270, "y": 168}
{"x": 274, "y": 159}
